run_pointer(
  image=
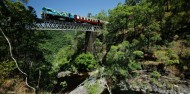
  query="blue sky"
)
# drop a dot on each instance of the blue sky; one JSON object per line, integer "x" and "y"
{"x": 79, "y": 7}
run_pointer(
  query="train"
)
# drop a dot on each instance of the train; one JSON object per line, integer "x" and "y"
{"x": 51, "y": 14}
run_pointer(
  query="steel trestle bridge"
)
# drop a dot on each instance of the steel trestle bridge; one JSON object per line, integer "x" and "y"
{"x": 41, "y": 24}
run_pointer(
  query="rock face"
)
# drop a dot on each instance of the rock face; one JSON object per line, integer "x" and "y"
{"x": 72, "y": 80}
{"x": 162, "y": 85}
{"x": 81, "y": 83}
{"x": 63, "y": 74}
{"x": 176, "y": 89}
{"x": 91, "y": 85}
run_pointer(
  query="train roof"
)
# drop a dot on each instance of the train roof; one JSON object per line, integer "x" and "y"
{"x": 56, "y": 10}
{"x": 47, "y": 8}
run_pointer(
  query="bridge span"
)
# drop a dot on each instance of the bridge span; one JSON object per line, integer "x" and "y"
{"x": 41, "y": 24}
{"x": 54, "y": 25}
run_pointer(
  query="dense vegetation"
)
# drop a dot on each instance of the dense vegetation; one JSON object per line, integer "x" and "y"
{"x": 148, "y": 38}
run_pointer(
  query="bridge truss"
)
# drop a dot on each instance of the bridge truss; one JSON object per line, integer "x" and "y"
{"x": 62, "y": 25}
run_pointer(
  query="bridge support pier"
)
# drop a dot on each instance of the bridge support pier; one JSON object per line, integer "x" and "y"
{"x": 89, "y": 42}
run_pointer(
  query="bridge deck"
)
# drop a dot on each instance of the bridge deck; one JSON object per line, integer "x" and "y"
{"x": 62, "y": 25}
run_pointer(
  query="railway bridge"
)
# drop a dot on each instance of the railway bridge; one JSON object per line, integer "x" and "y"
{"x": 53, "y": 25}
{"x": 41, "y": 24}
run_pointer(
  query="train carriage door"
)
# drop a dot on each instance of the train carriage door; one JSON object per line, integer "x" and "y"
{"x": 82, "y": 19}
{"x": 88, "y": 20}
{"x": 98, "y": 22}
{"x": 69, "y": 14}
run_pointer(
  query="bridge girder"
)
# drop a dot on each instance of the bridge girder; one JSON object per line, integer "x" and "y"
{"x": 62, "y": 25}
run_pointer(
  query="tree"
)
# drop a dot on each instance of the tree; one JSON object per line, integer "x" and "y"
{"x": 131, "y": 2}
{"x": 85, "y": 62}
{"x": 23, "y": 43}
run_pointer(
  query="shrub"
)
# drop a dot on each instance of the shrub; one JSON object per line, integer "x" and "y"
{"x": 6, "y": 68}
{"x": 138, "y": 54}
{"x": 155, "y": 74}
{"x": 133, "y": 65}
{"x": 85, "y": 62}
{"x": 167, "y": 57}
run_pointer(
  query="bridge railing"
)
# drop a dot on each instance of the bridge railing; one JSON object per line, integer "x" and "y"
{"x": 62, "y": 25}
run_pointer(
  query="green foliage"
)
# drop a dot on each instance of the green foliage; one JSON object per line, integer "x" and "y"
{"x": 133, "y": 65}
{"x": 117, "y": 54}
{"x": 59, "y": 50}
{"x": 85, "y": 62}
{"x": 147, "y": 25}
{"x": 56, "y": 40}
{"x": 121, "y": 62}
{"x": 7, "y": 68}
{"x": 94, "y": 89}
{"x": 63, "y": 84}
{"x": 167, "y": 57}
{"x": 118, "y": 17}
{"x": 156, "y": 82}
{"x": 102, "y": 15}
{"x": 138, "y": 54}
{"x": 187, "y": 41}
{"x": 124, "y": 57}
{"x": 155, "y": 74}
{"x": 161, "y": 56}
{"x": 62, "y": 60}
{"x": 25, "y": 43}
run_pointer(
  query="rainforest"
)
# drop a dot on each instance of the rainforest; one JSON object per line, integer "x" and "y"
{"x": 144, "y": 48}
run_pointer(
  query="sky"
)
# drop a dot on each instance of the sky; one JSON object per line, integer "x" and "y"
{"x": 79, "y": 7}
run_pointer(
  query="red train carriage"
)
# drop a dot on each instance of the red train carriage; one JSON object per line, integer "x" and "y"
{"x": 88, "y": 20}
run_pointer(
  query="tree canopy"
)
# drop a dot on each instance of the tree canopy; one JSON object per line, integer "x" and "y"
{"x": 145, "y": 42}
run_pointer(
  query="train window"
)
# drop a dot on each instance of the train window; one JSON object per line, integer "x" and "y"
{"x": 78, "y": 17}
{"x": 43, "y": 8}
{"x": 49, "y": 10}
